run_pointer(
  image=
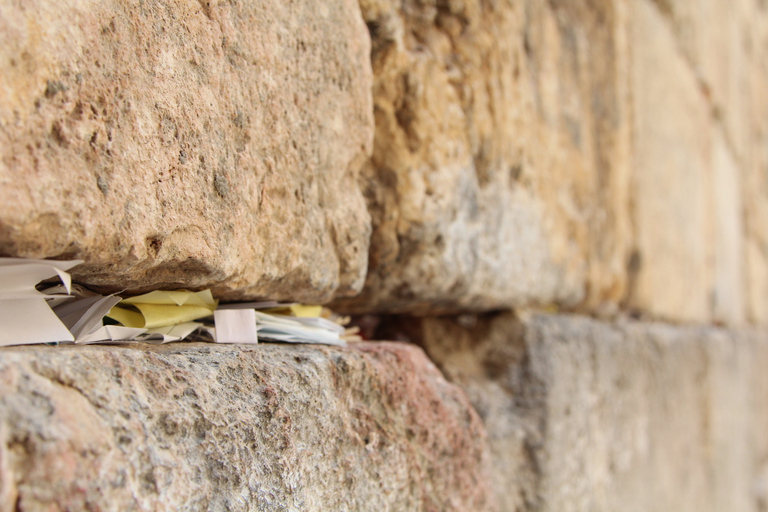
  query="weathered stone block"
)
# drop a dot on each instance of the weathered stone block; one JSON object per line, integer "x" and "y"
{"x": 211, "y": 144}
{"x": 591, "y": 416}
{"x": 211, "y": 427}
{"x": 499, "y": 173}
{"x": 690, "y": 258}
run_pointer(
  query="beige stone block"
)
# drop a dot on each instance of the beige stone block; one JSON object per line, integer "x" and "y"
{"x": 730, "y": 290}
{"x": 591, "y": 416}
{"x": 671, "y": 176}
{"x": 724, "y": 43}
{"x": 192, "y": 144}
{"x": 719, "y": 40}
{"x": 242, "y": 428}
{"x": 756, "y": 187}
{"x": 500, "y": 165}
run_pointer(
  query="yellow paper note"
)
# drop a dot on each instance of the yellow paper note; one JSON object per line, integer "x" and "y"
{"x": 304, "y": 311}
{"x": 299, "y": 310}
{"x": 163, "y": 308}
{"x": 178, "y": 297}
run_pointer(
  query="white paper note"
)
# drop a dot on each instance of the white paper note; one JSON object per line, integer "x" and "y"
{"x": 110, "y": 334}
{"x": 30, "y": 321}
{"x": 236, "y": 326}
{"x": 84, "y": 315}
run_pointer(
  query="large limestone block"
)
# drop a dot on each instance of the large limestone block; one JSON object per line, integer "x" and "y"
{"x": 686, "y": 187}
{"x": 724, "y": 44}
{"x": 199, "y": 427}
{"x": 591, "y": 416}
{"x": 756, "y": 182}
{"x": 721, "y": 40}
{"x": 188, "y": 143}
{"x": 499, "y": 172}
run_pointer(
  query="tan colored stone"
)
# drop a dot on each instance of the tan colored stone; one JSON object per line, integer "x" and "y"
{"x": 188, "y": 144}
{"x": 756, "y": 181}
{"x": 699, "y": 187}
{"x": 590, "y": 416}
{"x": 211, "y": 427}
{"x": 730, "y": 290}
{"x": 672, "y": 176}
{"x": 499, "y": 169}
{"x": 718, "y": 40}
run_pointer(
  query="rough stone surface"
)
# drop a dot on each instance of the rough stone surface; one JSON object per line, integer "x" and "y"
{"x": 499, "y": 173}
{"x": 210, "y": 427}
{"x": 590, "y": 416}
{"x": 194, "y": 143}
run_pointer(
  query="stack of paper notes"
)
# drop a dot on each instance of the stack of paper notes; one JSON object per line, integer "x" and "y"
{"x": 291, "y": 323}
{"x": 25, "y": 313}
{"x": 41, "y": 305}
{"x": 164, "y": 315}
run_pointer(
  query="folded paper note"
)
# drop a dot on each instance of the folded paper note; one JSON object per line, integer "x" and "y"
{"x": 19, "y": 277}
{"x": 236, "y": 326}
{"x": 83, "y": 315}
{"x": 297, "y": 310}
{"x": 71, "y": 313}
{"x": 163, "y": 308}
{"x": 169, "y": 333}
{"x": 25, "y": 314}
{"x": 111, "y": 334}
{"x": 292, "y": 330}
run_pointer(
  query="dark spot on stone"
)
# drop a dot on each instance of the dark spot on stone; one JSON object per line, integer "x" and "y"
{"x": 239, "y": 120}
{"x": 59, "y": 136}
{"x": 102, "y": 183}
{"x": 221, "y": 185}
{"x": 635, "y": 263}
{"x": 341, "y": 364}
{"x": 200, "y": 428}
{"x": 53, "y": 87}
{"x": 154, "y": 244}
{"x": 124, "y": 440}
{"x": 182, "y": 156}
{"x": 168, "y": 425}
{"x": 515, "y": 171}
{"x": 148, "y": 481}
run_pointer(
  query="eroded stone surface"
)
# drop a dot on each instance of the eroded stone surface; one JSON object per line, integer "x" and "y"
{"x": 499, "y": 169}
{"x": 590, "y": 416}
{"x": 210, "y": 427}
{"x": 211, "y": 144}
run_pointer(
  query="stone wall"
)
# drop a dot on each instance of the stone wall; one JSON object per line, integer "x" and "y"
{"x": 200, "y": 427}
{"x": 456, "y": 165}
{"x": 592, "y": 416}
{"x": 510, "y": 154}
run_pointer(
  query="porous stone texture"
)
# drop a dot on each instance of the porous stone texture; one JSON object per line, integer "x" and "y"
{"x": 592, "y": 416}
{"x": 193, "y": 144}
{"x": 500, "y": 167}
{"x": 209, "y": 427}
{"x": 590, "y": 154}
